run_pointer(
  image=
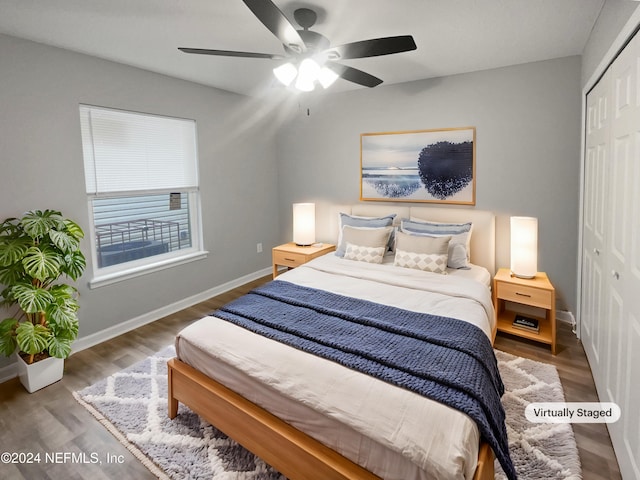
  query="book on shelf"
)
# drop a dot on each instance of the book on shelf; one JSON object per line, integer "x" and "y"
{"x": 526, "y": 323}
{"x": 527, "y": 329}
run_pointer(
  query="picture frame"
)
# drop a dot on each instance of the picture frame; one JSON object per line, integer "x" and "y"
{"x": 432, "y": 166}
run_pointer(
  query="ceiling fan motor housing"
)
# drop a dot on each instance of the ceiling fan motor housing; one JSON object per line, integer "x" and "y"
{"x": 305, "y": 17}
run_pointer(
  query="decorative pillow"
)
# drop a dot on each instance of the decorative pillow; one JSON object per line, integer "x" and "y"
{"x": 355, "y": 221}
{"x": 422, "y": 252}
{"x": 459, "y": 247}
{"x": 364, "y": 254}
{"x": 366, "y": 237}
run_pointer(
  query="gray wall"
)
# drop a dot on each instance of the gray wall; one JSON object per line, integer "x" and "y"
{"x": 42, "y": 167}
{"x": 528, "y": 147}
{"x": 527, "y": 120}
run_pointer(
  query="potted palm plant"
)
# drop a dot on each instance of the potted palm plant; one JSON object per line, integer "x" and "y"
{"x": 35, "y": 252}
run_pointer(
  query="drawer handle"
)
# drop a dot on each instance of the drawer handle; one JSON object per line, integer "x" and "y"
{"x": 290, "y": 259}
{"x": 523, "y": 294}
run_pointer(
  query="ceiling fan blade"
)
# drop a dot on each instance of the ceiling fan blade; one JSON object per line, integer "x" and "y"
{"x": 375, "y": 47}
{"x": 230, "y": 53}
{"x": 354, "y": 75}
{"x": 272, "y": 18}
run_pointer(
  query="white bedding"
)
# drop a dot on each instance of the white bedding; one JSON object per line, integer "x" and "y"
{"x": 474, "y": 272}
{"x": 430, "y": 292}
{"x": 439, "y": 442}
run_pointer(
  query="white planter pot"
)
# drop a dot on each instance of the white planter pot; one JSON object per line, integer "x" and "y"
{"x": 40, "y": 374}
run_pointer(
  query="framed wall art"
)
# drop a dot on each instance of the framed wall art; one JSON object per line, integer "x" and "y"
{"x": 437, "y": 166}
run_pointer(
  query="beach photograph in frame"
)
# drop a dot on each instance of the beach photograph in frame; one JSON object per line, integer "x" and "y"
{"x": 436, "y": 166}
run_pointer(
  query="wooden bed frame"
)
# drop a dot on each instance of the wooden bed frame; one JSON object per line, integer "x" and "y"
{"x": 290, "y": 451}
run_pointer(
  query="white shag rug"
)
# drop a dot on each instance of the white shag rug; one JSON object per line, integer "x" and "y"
{"x": 132, "y": 405}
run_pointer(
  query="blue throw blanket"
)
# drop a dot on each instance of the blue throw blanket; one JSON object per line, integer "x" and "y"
{"x": 444, "y": 359}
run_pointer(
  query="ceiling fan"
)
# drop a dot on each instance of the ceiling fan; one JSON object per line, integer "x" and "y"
{"x": 308, "y": 55}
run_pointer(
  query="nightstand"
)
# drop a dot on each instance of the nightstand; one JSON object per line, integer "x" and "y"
{"x": 536, "y": 292}
{"x": 291, "y": 255}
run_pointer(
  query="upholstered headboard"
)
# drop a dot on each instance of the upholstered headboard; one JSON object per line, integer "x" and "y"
{"x": 483, "y": 250}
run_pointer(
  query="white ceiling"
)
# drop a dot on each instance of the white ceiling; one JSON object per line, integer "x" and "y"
{"x": 453, "y": 36}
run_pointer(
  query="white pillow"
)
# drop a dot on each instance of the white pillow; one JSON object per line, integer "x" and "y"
{"x": 422, "y": 252}
{"x": 460, "y": 244}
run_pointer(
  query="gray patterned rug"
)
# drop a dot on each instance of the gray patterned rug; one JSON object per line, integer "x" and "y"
{"x": 538, "y": 450}
{"x": 132, "y": 405}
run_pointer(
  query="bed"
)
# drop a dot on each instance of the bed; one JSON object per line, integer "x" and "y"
{"x": 313, "y": 415}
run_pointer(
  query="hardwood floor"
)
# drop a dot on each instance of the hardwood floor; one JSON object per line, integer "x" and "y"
{"x": 50, "y": 422}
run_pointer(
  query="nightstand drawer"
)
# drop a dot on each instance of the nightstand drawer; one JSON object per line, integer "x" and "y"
{"x": 291, "y": 255}
{"x": 535, "y": 297}
{"x": 288, "y": 259}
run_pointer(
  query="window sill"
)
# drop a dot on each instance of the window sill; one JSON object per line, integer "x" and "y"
{"x": 103, "y": 280}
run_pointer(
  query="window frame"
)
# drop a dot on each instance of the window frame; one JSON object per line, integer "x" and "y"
{"x": 126, "y": 270}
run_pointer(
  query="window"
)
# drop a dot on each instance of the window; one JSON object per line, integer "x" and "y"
{"x": 141, "y": 178}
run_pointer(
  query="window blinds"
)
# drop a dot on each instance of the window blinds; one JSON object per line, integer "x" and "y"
{"x": 133, "y": 152}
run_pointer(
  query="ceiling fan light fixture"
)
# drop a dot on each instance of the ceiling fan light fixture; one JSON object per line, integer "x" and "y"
{"x": 299, "y": 44}
{"x": 308, "y": 71}
{"x": 286, "y": 73}
{"x": 303, "y": 85}
{"x": 326, "y": 77}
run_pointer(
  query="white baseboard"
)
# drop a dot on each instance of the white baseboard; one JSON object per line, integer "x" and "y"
{"x": 8, "y": 372}
{"x": 128, "y": 325}
{"x": 565, "y": 316}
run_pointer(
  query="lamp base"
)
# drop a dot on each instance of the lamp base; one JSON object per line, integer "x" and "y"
{"x": 304, "y": 244}
{"x": 518, "y": 275}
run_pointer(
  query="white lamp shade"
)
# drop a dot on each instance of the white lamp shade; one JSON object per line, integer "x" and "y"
{"x": 304, "y": 223}
{"x": 307, "y": 75}
{"x": 304, "y": 86}
{"x": 524, "y": 246}
{"x": 286, "y": 73}
{"x": 308, "y": 70}
{"x": 326, "y": 77}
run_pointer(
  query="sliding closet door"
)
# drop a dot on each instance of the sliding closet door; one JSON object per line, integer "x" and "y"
{"x": 610, "y": 305}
